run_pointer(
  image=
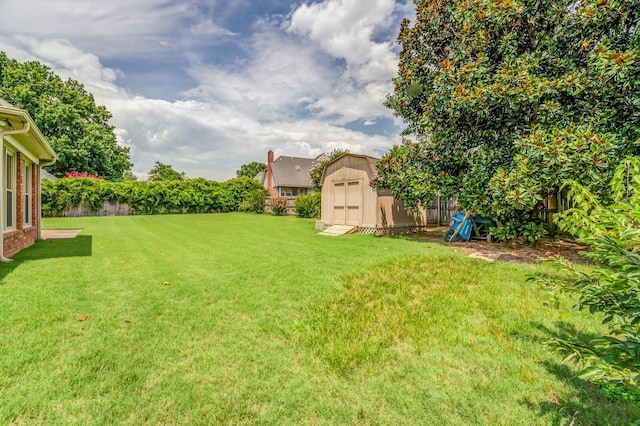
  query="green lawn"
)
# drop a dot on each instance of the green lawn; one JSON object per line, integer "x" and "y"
{"x": 250, "y": 319}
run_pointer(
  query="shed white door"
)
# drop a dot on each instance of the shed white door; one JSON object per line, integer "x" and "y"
{"x": 347, "y": 206}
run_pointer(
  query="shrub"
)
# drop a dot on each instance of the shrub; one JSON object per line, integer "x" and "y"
{"x": 612, "y": 287}
{"x": 279, "y": 206}
{"x": 534, "y": 232}
{"x": 255, "y": 202}
{"x": 86, "y": 175}
{"x": 518, "y": 225}
{"x": 308, "y": 205}
{"x": 620, "y": 392}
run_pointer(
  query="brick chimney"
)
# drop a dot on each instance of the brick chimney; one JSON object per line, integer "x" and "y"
{"x": 270, "y": 188}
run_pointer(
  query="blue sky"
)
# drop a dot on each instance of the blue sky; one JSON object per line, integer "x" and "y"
{"x": 209, "y": 85}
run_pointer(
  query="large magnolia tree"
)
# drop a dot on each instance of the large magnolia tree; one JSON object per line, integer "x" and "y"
{"x": 77, "y": 128}
{"x": 508, "y": 98}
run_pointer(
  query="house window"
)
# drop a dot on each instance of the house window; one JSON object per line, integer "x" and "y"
{"x": 285, "y": 192}
{"x": 9, "y": 186}
{"x": 292, "y": 192}
{"x": 28, "y": 189}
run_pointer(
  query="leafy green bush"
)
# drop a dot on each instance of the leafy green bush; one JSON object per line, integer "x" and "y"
{"x": 519, "y": 225}
{"x": 505, "y": 232}
{"x": 612, "y": 287}
{"x": 534, "y": 232}
{"x": 308, "y": 205}
{"x": 620, "y": 392}
{"x": 255, "y": 202}
{"x": 179, "y": 196}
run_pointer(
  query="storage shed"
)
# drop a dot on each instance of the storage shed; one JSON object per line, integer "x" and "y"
{"x": 349, "y": 199}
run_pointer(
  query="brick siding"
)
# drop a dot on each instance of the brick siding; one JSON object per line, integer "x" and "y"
{"x": 23, "y": 236}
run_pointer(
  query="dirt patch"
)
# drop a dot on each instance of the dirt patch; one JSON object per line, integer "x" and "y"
{"x": 547, "y": 248}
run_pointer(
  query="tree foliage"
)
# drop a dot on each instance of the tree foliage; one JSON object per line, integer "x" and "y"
{"x": 162, "y": 172}
{"x": 612, "y": 287}
{"x": 77, "y": 128}
{"x": 251, "y": 170}
{"x": 509, "y": 98}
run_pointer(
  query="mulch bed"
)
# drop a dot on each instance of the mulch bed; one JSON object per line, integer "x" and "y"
{"x": 519, "y": 251}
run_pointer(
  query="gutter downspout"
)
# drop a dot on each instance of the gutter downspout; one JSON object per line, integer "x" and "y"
{"x": 39, "y": 183}
{"x": 3, "y": 133}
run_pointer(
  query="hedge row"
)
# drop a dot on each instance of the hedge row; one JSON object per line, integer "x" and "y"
{"x": 186, "y": 196}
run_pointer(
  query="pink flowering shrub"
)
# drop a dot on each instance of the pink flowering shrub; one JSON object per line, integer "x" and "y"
{"x": 279, "y": 206}
{"x": 85, "y": 175}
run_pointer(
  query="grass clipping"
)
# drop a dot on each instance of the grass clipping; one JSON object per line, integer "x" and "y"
{"x": 380, "y": 316}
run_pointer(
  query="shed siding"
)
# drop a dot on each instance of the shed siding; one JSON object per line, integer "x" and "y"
{"x": 347, "y": 197}
{"x": 392, "y": 212}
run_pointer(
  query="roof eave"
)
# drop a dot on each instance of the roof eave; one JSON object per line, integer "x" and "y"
{"x": 345, "y": 154}
{"x": 42, "y": 148}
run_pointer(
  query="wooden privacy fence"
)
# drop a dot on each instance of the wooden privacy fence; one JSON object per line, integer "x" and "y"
{"x": 438, "y": 213}
{"x": 107, "y": 209}
{"x": 552, "y": 204}
{"x": 441, "y": 210}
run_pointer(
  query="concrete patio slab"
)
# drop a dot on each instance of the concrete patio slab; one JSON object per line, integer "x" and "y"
{"x": 60, "y": 234}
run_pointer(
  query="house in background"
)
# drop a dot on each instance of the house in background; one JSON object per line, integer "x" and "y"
{"x": 47, "y": 176}
{"x": 349, "y": 199}
{"x": 287, "y": 176}
{"x": 24, "y": 151}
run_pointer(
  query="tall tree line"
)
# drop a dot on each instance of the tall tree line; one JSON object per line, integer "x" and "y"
{"x": 77, "y": 128}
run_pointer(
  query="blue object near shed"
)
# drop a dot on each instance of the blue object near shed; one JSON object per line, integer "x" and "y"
{"x": 463, "y": 226}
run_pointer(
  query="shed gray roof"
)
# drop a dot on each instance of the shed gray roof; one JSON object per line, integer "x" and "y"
{"x": 292, "y": 171}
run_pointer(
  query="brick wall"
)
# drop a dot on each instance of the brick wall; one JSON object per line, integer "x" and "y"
{"x": 19, "y": 239}
{"x": 23, "y": 236}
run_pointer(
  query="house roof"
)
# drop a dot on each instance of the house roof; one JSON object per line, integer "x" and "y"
{"x": 5, "y": 104}
{"x": 12, "y": 118}
{"x": 371, "y": 160}
{"x": 48, "y": 176}
{"x": 292, "y": 171}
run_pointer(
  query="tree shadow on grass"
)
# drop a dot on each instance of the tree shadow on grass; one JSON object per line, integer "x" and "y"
{"x": 584, "y": 401}
{"x": 80, "y": 246}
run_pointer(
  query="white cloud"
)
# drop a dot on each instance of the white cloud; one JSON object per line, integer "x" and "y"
{"x": 280, "y": 78}
{"x": 213, "y": 139}
{"x": 209, "y": 28}
{"x": 65, "y": 58}
{"x": 104, "y": 27}
{"x": 346, "y": 29}
{"x": 300, "y": 80}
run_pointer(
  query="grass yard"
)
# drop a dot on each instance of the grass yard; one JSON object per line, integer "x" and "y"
{"x": 252, "y": 319}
